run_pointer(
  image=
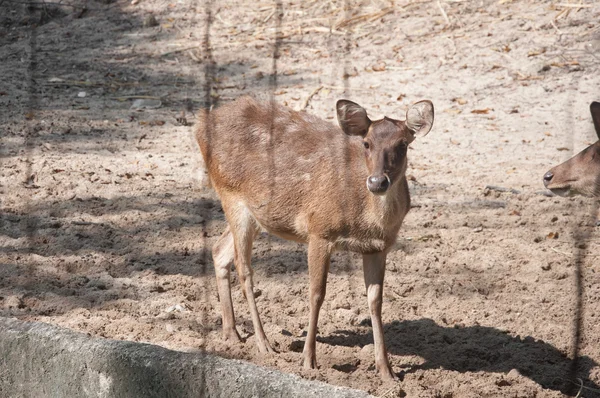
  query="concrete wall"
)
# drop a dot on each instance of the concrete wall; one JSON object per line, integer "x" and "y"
{"x": 40, "y": 360}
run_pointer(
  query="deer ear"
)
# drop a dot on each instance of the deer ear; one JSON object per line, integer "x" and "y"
{"x": 352, "y": 118}
{"x": 419, "y": 118}
{"x": 595, "y": 110}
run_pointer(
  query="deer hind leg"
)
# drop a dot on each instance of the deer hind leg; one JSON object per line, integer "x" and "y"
{"x": 223, "y": 253}
{"x": 244, "y": 229}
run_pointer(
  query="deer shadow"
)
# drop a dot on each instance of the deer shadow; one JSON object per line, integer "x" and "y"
{"x": 476, "y": 348}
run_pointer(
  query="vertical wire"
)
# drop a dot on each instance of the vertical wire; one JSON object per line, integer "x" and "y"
{"x": 347, "y": 256}
{"x": 208, "y": 102}
{"x": 273, "y": 85}
{"x": 31, "y": 116}
{"x": 581, "y": 238}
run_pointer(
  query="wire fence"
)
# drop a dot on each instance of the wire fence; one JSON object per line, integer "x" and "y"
{"x": 207, "y": 78}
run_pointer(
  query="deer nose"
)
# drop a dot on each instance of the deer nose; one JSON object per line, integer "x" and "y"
{"x": 547, "y": 178}
{"x": 378, "y": 184}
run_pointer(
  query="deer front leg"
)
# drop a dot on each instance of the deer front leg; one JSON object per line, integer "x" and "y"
{"x": 374, "y": 271}
{"x": 319, "y": 252}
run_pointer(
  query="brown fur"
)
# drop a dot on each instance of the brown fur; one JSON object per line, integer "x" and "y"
{"x": 303, "y": 179}
{"x": 579, "y": 175}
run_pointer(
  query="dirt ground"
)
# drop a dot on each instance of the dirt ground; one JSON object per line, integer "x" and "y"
{"x": 106, "y": 229}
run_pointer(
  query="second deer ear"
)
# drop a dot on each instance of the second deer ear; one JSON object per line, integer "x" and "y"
{"x": 352, "y": 118}
{"x": 419, "y": 118}
{"x": 595, "y": 110}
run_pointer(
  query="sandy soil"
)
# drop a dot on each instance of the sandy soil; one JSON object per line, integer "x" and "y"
{"x": 105, "y": 228}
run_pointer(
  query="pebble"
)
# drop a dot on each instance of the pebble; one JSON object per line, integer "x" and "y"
{"x": 514, "y": 373}
{"x": 176, "y": 307}
{"x": 150, "y": 21}
{"x": 146, "y": 104}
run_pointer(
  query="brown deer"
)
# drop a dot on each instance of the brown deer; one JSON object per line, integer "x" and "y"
{"x": 302, "y": 179}
{"x": 579, "y": 175}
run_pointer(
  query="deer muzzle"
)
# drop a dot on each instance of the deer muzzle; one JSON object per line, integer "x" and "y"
{"x": 378, "y": 184}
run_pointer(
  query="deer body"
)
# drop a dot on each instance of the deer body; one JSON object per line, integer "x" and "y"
{"x": 303, "y": 179}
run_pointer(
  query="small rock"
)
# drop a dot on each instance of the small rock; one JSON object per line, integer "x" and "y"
{"x": 176, "y": 307}
{"x": 98, "y": 284}
{"x": 513, "y": 374}
{"x": 380, "y": 66}
{"x": 150, "y": 21}
{"x": 14, "y": 302}
{"x": 82, "y": 94}
{"x": 144, "y": 103}
{"x": 166, "y": 316}
{"x": 170, "y": 328}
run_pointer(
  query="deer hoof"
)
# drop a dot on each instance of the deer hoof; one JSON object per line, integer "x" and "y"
{"x": 310, "y": 362}
{"x": 231, "y": 335}
{"x": 386, "y": 374}
{"x": 265, "y": 347}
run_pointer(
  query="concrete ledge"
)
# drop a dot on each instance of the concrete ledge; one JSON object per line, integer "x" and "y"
{"x": 41, "y": 360}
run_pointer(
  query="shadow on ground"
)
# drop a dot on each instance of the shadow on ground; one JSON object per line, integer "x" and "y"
{"x": 474, "y": 349}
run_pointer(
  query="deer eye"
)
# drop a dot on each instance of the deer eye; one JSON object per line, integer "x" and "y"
{"x": 366, "y": 144}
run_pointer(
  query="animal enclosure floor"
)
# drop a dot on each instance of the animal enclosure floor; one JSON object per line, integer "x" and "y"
{"x": 105, "y": 229}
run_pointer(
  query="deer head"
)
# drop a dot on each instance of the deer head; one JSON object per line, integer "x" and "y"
{"x": 386, "y": 140}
